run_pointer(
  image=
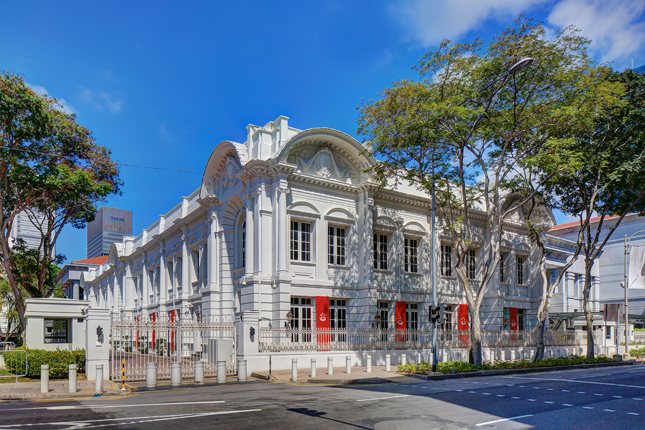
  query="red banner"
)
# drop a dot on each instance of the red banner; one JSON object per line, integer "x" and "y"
{"x": 513, "y": 313}
{"x": 137, "y": 332}
{"x": 463, "y": 317}
{"x": 154, "y": 319}
{"x": 399, "y": 319}
{"x": 322, "y": 319}
{"x": 172, "y": 332}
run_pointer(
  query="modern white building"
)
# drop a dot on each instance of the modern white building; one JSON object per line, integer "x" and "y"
{"x": 289, "y": 221}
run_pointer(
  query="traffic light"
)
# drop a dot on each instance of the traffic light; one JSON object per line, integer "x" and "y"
{"x": 434, "y": 313}
{"x": 442, "y": 314}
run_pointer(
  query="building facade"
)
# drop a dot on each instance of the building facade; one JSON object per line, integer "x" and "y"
{"x": 110, "y": 226}
{"x": 290, "y": 222}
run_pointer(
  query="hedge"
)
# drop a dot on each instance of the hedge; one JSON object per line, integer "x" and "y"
{"x": 636, "y": 351}
{"x": 460, "y": 366}
{"x": 58, "y": 361}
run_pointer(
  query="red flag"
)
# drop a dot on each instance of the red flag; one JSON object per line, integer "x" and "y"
{"x": 513, "y": 313}
{"x": 154, "y": 319}
{"x": 463, "y": 317}
{"x": 172, "y": 332}
{"x": 399, "y": 315}
{"x": 137, "y": 332}
{"x": 322, "y": 319}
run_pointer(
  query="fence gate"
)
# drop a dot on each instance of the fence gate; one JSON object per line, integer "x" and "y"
{"x": 137, "y": 341}
{"x": 13, "y": 362}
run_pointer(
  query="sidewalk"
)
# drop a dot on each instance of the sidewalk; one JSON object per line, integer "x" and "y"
{"x": 57, "y": 390}
{"x": 358, "y": 375}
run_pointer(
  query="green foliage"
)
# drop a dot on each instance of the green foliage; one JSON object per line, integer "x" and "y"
{"x": 637, "y": 351}
{"x": 460, "y": 366}
{"x": 58, "y": 361}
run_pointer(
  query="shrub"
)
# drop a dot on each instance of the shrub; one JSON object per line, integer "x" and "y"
{"x": 58, "y": 361}
{"x": 637, "y": 351}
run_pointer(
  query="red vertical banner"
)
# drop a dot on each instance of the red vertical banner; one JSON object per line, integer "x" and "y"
{"x": 399, "y": 319}
{"x": 513, "y": 322}
{"x": 137, "y": 342}
{"x": 463, "y": 322}
{"x": 154, "y": 320}
{"x": 322, "y": 322}
{"x": 172, "y": 330}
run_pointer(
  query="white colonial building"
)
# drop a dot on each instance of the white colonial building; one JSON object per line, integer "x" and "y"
{"x": 289, "y": 221}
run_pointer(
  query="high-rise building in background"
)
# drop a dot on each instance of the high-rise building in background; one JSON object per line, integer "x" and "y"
{"x": 111, "y": 225}
{"x": 24, "y": 227}
{"x": 640, "y": 69}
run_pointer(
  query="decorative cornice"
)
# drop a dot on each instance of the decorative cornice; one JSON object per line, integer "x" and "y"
{"x": 327, "y": 183}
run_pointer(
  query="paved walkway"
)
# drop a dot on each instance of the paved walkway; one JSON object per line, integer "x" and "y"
{"x": 338, "y": 376}
{"x": 57, "y": 390}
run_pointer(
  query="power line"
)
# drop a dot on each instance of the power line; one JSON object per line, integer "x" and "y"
{"x": 118, "y": 164}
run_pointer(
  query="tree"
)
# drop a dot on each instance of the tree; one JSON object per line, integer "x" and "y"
{"x": 473, "y": 116}
{"x": 610, "y": 180}
{"x": 50, "y": 165}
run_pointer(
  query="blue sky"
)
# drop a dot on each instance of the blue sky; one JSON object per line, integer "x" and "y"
{"x": 161, "y": 83}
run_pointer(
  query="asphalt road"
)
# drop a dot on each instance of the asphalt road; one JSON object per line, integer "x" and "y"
{"x": 611, "y": 398}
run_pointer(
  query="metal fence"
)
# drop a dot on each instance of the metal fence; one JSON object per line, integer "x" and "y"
{"x": 13, "y": 362}
{"x": 138, "y": 341}
{"x": 372, "y": 339}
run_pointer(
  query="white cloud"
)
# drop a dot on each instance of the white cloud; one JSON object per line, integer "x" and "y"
{"x": 101, "y": 100}
{"x": 429, "y": 22}
{"x": 63, "y": 105}
{"x": 616, "y": 27}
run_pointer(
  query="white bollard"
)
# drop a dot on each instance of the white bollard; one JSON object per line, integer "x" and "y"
{"x": 199, "y": 372}
{"x": 444, "y": 356}
{"x": 369, "y": 364}
{"x": 241, "y": 370}
{"x": 44, "y": 378}
{"x": 348, "y": 364}
{"x": 404, "y": 359}
{"x": 418, "y": 358}
{"x": 387, "y": 362}
{"x": 512, "y": 354}
{"x": 294, "y": 370}
{"x": 72, "y": 378}
{"x": 175, "y": 374}
{"x": 99, "y": 378}
{"x": 330, "y": 365}
{"x": 502, "y": 355}
{"x": 151, "y": 374}
{"x": 313, "y": 367}
{"x": 221, "y": 372}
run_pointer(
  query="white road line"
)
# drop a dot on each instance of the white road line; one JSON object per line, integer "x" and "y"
{"x": 596, "y": 394}
{"x": 531, "y": 400}
{"x": 382, "y": 398}
{"x": 549, "y": 389}
{"x": 459, "y": 390}
{"x": 521, "y": 386}
{"x": 632, "y": 413}
{"x": 503, "y": 419}
{"x": 510, "y": 385}
{"x": 566, "y": 404}
{"x": 472, "y": 392}
{"x": 549, "y": 403}
{"x": 580, "y": 382}
{"x": 637, "y": 398}
{"x": 486, "y": 394}
{"x": 587, "y": 407}
{"x": 83, "y": 423}
{"x": 516, "y": 398}
{"x": 580, "y": 392}
{"x": 565, "y": 391}
{"x": 55, "y": 408}
{"x": 609, "y": 410}
{"x": 617, "y": 397}
{"x": 536, "y": 388}
{"x": 500, "y": 395}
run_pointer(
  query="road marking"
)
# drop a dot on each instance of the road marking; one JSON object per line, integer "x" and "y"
{"x": 635, "y": 398}
{"x": 617, "y": 397}
{"x": 500, "y": 395}
{"x": 55, "y": 408}
{"x": 565, "y": 391}
{"x": 632, "y": 413}
{"x": 609, "y": 410}
{"x": 580, "y": 382}
{"x": 580, "y": 392}
{"x": 549, "y": 403}
{"x": 521, "y": 386}
{"x": 84, "y": 423}
{"x": 459, "y": 390}
{"x": 531, "y": 400}
{"x": 536, "y": 388}
{"x": 566, "y": 404}
{"x": 549, "y": 389}
{"x": 486, "y": 394}
{"x": 516, "y": 398}
{"x": 472, "y": 392}
{"x": 587, "y": 407}
{"x": 596, "y": 394}
{"x": 510, "y": 385}
{"x": 503, "y": 419}
{"x": 382, "y": 398}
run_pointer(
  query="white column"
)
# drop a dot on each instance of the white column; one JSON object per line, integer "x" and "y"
{"x": 283, "y": 229}
{"x": 163, "y": 272}
{"x": 128, "y": 287}
{"x": 250, "y": 234}
{"x": 213, "y": 269}
{"x": 185, "y": 263}
{"x": 145, "y": 290}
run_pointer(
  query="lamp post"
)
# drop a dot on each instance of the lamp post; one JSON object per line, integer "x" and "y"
{"x": 626, "y": 285}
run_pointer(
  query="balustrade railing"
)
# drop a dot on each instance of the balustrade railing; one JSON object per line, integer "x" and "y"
{"x": 372, "y": 339}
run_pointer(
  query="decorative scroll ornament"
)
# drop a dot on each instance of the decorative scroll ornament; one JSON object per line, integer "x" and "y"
{"x": 228, "y": 179}
{"x": 323, "y": 164}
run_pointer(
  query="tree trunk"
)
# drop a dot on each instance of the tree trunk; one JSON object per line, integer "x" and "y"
{"x": 475, "y": 352}
{"x": 541, "y": 328}
{"x": 587, "y": 310}
{"x": 19, "y": 303}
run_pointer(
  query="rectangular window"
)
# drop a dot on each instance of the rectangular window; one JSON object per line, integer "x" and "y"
{"x": 338, "y": 318}
{"x": 336, "y": 244}
{"x": 446, "y": 260}
{"x": 447, "y": 326}
{"x": 57, "y": 331}
{"x": 301, "y": 318}
{"x": 383, "y": 313}
{"x": 471, "y": 263}
{"x": 380, "y": 251}
{"x": 412, "y": 316}
{"x": 520, "y": 319}
{"x": 411, "y": 252}
{"x": 300, "y": 241}
{"x": 520, "y": 271}
{"x": 502, "y": 278}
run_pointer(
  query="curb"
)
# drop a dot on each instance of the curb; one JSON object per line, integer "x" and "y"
{"x": 263, "y": 376}
{"x": 349, "y": 381}
{"x": 494, "y": 372}
{"x": 41, "y": 396}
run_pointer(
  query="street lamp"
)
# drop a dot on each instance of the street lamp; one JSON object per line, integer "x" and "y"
{"x": 522, "y": 64}
{"x": 625, "y": 285}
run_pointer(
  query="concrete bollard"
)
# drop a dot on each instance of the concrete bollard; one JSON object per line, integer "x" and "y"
{"x": 330, "y": 365}
{"x": 221, "y": 372}
{"x": 418, "y": 358}
{"x": 241, "y": 370}
{"x": 444, "y": 355}
{"x": 72, "y": 378}
{"x": 294, "y": 370}
{"x": 512, "y": 354}
{"x": 151, "y": 374}
{"x": 199, "y": 372}
{"x": 348, "y": 364}
{"x": 313, "y": 367}
{"x": 44, "y": 378}
{"x": 99, "y": 378}
{"x": 502, "y": 355}
{"x": 404, "y": 359}
{"x": 387, "y": 362}
{"x": 175, "y": 374}
{"x": 369, "y": 364}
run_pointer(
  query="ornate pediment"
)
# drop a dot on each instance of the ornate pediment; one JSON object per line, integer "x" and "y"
{"x": 227, "y": 179}
{"x": 322, "y": 162}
